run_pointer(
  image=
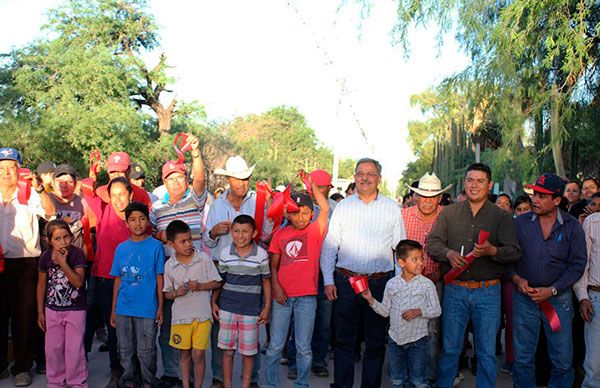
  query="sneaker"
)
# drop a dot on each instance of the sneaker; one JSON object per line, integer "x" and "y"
{"x": 292, "y": 374}
{"x": 457, "y": 380}
{"x": 320, "y": 371}
{"x": 507, "y": 368}
{"x": 216, "y": 383}
{"x": 40, "y": 369}
{"x": 22, "y": 379}
{"x": 115, "y": 376}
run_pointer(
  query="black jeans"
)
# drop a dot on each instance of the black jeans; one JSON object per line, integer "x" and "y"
{"x": 347, "y": 308}
{"x": 99, "y": 294}
{"x": 18, "y": 285}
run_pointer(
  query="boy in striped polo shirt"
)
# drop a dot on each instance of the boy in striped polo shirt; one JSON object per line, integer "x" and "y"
{"x": 238, "y": 305}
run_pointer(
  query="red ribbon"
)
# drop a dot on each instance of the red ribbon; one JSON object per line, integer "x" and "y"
{"x": 23, "y": 186}
{"x": 259, "y": 210}
{"x": 359, "y": 283}
{"x": 87, "y": 238}
{"x": 551, "y": 315}
{"x": 95, "y": 164}
{"x": 455, "y": 272}
{"x": 186, "y": 146}
{"x": 88, "y": 187}
{"x": 1, "y": 259}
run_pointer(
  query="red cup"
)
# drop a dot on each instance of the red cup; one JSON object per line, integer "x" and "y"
{"x": 359, "y": 283}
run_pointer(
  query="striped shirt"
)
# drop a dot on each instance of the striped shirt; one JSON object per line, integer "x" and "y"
{"x": 243, "y": 276}
{"x": 361, "y": 236}
{"x": 591, "y": 275}
{"x": 399, "y": 296}
{"x": 188, "y": 209}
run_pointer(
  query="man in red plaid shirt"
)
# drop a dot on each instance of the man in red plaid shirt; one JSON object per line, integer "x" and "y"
{"x": 418, "y": 221}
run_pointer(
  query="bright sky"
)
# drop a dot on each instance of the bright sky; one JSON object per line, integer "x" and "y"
{"x": 238, "y": 57}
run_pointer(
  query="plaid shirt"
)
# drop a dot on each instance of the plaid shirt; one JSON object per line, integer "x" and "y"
{"x": 417, "y": 230}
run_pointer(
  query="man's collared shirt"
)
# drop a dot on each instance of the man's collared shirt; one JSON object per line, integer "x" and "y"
{"x": 361, "y": 236}
{"x": 195, "y": 305}
{"x": 188, "y": 209}
{"x": 591, "y": 275}
{"x": 19, "y": 226}
{"x": 558, "y": 260}
{"x": 418, "y": 230}
{"x": 456, "y": 227}
{"x": 221, "y": 210}
{"x": 399, "y": 296}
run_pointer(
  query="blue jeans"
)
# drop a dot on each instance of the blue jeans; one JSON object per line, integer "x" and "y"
{"x": 137, "y": 348}
{"x": 99, "y": 296}
{"x": 482, "y": 306}
{"x": 408, "y": 363}
{"x": 592, "y": 340}
{"x": 170, "y": 355}
{"x": 304, "y": 308}
{"x": 321, "y": 333}
{"x": 433, "y": 347}
{"x": 527, "y": 317}
{"x": 216, "y": 358}
{"x": 348, "y": 306}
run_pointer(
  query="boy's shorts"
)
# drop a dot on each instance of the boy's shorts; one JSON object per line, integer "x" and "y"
{"x": 195, "y": 335}
{"x": 238, "y": 332}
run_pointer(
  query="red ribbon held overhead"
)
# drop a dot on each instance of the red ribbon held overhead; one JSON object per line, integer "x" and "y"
{"x": 185, "y": 146}
{"x": 455, "y": 272}
{"x": 95, "y": 163}
{"x": 23, "y": 186}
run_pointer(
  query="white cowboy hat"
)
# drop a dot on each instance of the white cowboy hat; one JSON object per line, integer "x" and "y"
{"x": 236, "y": 167}
{"x": 430, "y": 186}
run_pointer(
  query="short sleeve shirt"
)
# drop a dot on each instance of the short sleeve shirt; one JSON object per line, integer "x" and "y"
{"x": 243, "y": 276}
{"x": 298, "y": 272}
{"x": 61, "y": 295}
{"x": 194, "y": 305}
{"x": 138, "y": 263}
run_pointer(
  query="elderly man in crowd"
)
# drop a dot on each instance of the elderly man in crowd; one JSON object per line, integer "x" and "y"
{"x": 20, "y": 244}
{"x": 183, "y": 202}
{"x": 418, "y": 221}
{"x": 551, "y": 240}
{"x": 237, "y": 199}
{"x": 475, "y": 294}
{"x": 363, "y": 230}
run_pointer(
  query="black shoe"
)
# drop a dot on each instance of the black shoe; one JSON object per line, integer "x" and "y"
{"x": 320, "y": 371}
{"x": 171, "y": 381}
{"x": 292, "y": 374}
{"x": 103, "y": 348}
{"x": 40, "y": 369}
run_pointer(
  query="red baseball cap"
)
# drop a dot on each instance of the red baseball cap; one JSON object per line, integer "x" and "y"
{"x": 118, "y": 161}
{"x": 172, "y": 166}
{"x": 321, "y": 178}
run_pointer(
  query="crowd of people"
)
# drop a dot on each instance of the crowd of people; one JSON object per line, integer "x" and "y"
{"x": 179, "y": 270}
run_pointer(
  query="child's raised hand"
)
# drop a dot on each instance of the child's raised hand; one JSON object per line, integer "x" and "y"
{"x": 42, "y": 321}
{"x": 367, "y": 295}
{"x": 411, "y": 314}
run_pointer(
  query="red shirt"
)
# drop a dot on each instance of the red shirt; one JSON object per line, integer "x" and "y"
{"x": 110, "y": 232}
{"x": 418, "y": 230}
{"x": 299, "y": 262}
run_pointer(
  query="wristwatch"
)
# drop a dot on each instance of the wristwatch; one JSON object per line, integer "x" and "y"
{"x": 554, "y": 291}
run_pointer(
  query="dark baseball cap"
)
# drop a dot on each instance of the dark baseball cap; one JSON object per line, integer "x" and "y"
{"x": 549, "y": 184}
{"x": 302, "y": 199}
{"x": 137, "y": 172}
{"x": 45, "y": 167}
{"x": 65, "y": 169}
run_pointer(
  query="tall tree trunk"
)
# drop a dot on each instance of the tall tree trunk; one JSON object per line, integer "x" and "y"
{"x": 555, "y": 141}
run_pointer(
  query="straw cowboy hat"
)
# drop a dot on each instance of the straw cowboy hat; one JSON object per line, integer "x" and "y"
{"x": 236, "y": 167}
{"x": 429, "y": 186}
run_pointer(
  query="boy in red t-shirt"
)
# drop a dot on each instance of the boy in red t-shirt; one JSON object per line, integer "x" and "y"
{"x": 295, "y": 251}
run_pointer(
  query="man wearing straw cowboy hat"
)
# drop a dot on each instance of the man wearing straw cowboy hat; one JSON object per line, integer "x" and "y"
{"x": 418, "y": 221}
{"x": 237, "y": 199}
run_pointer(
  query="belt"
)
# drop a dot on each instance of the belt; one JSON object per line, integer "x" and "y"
{"x": 594, "y": 288}
{"x": 374, "y": 276}
{"x": 473, "y": 284}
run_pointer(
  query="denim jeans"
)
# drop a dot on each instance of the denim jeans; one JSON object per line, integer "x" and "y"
{"x": 482, "y": 306}
{"x": 527, "y": 317}
{"x": 304, "y": 308}
{"x": 433, "y": 345}
{"x": 592, "y": 340}
{"x": 99, "y": 295}
{"x": 348, "y": 306}
{"x": 216, "y": 358}
{"x": 137, "y": 348}
{"x": 321, "y": 332}
{"x": 170, "y": 355}
{"x": 408, "y": 363}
